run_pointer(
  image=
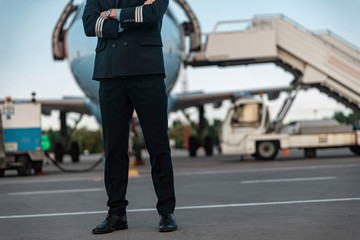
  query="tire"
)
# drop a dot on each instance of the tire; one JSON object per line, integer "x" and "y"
{"x": 355, "y": 150}
{"x": 59, "y": 152}
{"x": 219, "y": 149}
{"x": 193, "y": 145}
{"x": 2, "y": 172}
{"x": 75, "y": 152}
{"x": 310, "y": 152}
{"x": 208, "y": 146}
{"x": 37, "y": 166}
{"x": 266, "y": 150}
{"x": 25, "y": 169}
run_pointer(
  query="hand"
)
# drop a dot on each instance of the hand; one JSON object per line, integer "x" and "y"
{"x": 102, "y": 14}
{"x": 114, "y": 13}
{"x": 148, "y": 2}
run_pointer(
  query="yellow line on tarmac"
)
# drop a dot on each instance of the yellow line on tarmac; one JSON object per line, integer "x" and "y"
{"x": 133, "y": 172}
{"x": 98, "y": 179}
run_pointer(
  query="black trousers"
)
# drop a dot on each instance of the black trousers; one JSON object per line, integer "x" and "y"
{"x": 118, "y": 98}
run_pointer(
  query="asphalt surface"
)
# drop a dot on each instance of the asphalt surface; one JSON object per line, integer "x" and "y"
{"x": 219, "y": 197}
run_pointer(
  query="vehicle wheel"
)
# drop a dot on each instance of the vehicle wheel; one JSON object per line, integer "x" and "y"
{"x": 266, "y": 150}
{"x": 193, "y": 145}
{"x": 37, "y": 166}
{"x": 25, "y": 169}
{"x": 59, "y": 152}
{"x": 75, "y": 152}
{"x": 310, "y": 152}
{"x": 219, "y": 149}
{"x": 355, "y": 150}
{"x": 208, "y": 146}
{"x": 2, "y": 172}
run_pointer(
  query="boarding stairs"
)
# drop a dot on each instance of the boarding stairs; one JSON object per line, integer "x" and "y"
{"x": 320, "y": 60}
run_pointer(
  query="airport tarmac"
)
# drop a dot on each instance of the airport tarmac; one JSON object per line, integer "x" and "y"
{"x": 219, "y": 197}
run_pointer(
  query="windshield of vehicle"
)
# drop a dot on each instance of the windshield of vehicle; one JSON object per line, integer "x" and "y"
{"x": 247, "y": 115}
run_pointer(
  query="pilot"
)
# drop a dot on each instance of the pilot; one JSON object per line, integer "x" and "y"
{"x": 129, "y": 65}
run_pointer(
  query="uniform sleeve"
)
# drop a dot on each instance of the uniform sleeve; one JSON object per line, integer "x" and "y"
{"x": 94, "y": 25}
{"x": 143, "y": 15}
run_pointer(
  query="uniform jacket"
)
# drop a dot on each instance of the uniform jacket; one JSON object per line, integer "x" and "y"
{"x": 137, "y": 50}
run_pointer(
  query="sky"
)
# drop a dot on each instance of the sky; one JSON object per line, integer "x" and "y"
{"x": 26, "y": 63}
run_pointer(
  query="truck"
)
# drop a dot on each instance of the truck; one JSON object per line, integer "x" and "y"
{"x": 247, "y": 130}
{"x": 20, "y": 137}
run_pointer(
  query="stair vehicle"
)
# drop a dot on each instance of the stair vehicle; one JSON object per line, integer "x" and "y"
{"x": 319, "y": 60}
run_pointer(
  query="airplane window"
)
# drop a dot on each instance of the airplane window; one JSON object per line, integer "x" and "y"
{"x": 247, "y": 115}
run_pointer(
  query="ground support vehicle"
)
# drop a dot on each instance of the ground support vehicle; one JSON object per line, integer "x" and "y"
{"x": 20, "y": 137}
{"x": 247, "y": 130}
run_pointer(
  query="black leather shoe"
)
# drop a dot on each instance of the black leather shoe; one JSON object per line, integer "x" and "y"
{"x": 167, "y": 223}
{"x": 112, "y": 223}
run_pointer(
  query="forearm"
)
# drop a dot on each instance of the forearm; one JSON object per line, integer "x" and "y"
{"x": 147, "y": 14}
{"x": 96, "y": 25}
{"x": 101, "y": 25}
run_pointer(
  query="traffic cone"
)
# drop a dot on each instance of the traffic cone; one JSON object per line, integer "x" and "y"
{"x": 286, "y": 152}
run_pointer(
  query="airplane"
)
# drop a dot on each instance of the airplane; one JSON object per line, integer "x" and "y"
{"x": 71, "y": 43}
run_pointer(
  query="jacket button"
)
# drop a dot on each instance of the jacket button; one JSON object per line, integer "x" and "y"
{"x": 113, "y": 45}
{"x": 125, "y": 44}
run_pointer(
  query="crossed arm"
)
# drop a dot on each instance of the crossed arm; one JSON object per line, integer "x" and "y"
{"x": 114, "y": 14}
{"x": 96, "y": 23}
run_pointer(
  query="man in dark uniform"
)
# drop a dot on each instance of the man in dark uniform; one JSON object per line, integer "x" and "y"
{"x": 130, "y": 67}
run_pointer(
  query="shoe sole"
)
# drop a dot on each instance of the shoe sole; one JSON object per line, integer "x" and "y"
{"x": 168, "y": 229}
{"x": 121, "y": 227}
